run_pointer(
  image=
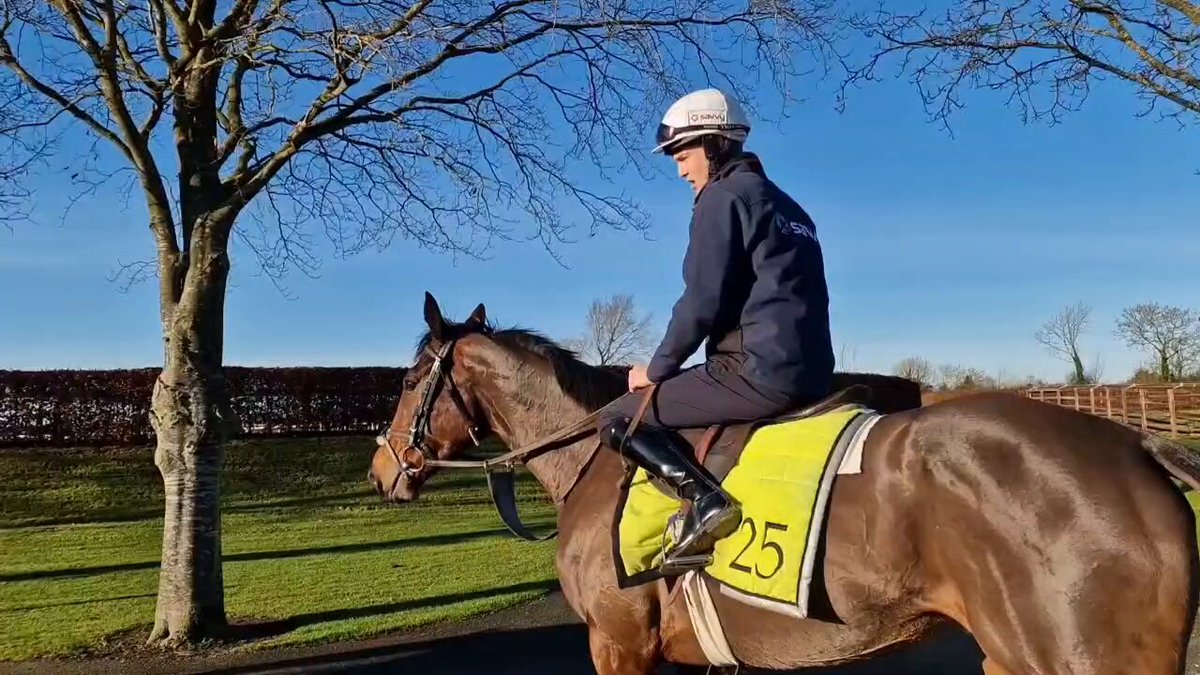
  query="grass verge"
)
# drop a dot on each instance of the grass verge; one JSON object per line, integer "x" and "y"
{"x": 311, "y": 555}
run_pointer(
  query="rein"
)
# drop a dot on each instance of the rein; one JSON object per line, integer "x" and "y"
{"x": 498, "y": 470}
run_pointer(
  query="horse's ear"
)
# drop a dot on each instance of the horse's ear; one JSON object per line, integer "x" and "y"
{"x": 478, "y": 317}
{"x": 433, "y": 317}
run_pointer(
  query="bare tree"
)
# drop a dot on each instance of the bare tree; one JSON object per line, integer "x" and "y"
{"x": 616, "y": 332}
{"x": 1095, "y": 372}
{"x": 918, "y": 369}
{"x": 440, "y": 122}
{"x": 23, "y": 143}
{"x": 1061, "y": 334}
{"x": 956, "y": 377}
{"x": 1044, "y": 55}
{"x": 846, "y": 356}
{"x": 1172, "y": 334}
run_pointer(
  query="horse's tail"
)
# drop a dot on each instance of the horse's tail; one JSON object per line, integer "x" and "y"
{"x": 1180, "y": 462}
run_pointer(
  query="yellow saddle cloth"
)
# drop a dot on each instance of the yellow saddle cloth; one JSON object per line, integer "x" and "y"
{"x": 782, "y": 480}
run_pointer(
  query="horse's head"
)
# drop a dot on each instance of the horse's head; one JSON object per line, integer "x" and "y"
{"x": 438, "y": 416}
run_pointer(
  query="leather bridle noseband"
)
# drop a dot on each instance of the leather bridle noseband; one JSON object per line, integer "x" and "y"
{"x": 417, "y": 455}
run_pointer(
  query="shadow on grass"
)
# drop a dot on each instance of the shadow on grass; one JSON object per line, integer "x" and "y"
{"x": 126, "y": 514}
{"x": 122, "y": 515}
{"x": 471, "y": 489}
{"x": 534, "y": 651}
{"x": 431, "y": 540}
{"x": 269, "y": 629}
{"x": 72, "y": 603}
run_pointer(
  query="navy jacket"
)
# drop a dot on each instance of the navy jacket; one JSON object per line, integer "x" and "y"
{"x": 754, "y": 265}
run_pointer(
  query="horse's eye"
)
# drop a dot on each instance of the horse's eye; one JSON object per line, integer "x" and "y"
{"x": 409, "y": 385}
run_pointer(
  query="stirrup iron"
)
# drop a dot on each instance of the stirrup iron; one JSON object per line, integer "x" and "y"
{"x": 676, "y": 566}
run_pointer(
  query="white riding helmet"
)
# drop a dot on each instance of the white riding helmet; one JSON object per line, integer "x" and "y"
{"x": 707, "y": 111}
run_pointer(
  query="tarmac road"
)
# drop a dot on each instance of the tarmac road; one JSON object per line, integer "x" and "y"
{"x": 541, "y": 638}
{"x": 545, "y": 637}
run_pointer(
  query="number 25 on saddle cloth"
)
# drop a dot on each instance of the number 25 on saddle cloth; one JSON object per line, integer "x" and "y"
{"x": 782, "y": 480}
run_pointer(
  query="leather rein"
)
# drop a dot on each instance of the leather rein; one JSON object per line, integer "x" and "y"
{"x": 417, "y": 455}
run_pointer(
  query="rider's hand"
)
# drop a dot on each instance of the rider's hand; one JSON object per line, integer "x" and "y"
{"x": 638, "y": 378}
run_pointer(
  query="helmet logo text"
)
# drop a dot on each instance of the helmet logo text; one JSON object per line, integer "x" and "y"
{"x": 707, "y": 117}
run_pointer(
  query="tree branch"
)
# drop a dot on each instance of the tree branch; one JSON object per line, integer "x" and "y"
{"x": 236, "y": 20}
{"x": 447, "y": 122}
{"x": 1000, "y": 46}
{"x": 8, "y": 59}
{"x": 158, "y": 21}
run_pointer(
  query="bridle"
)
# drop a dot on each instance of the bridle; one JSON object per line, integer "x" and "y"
{"x": 417, "y": 455}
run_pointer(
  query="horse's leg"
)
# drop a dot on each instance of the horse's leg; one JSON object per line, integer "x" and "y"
{"x": 611, "y": 657}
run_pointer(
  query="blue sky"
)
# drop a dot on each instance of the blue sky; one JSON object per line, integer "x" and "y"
{"x": 950, "y": 247}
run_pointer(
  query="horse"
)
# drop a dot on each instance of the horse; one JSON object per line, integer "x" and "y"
{"x": 1059, "y": 540}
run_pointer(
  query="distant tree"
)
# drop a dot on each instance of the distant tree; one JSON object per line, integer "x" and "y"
{"x": 846, "y": 356}
{"x": 1033, "y": 381}
{"x": 1146, "y": 374}
{"x": 616, "y": 332}
{"x": 1095, "y": 372}
{"x": 1171, "y": 334}
{"x": 956, "y": 377}
{"x": 1060, "y": 335}
{"x": 918, "y": 369}
{"x": 1044, "y": 55}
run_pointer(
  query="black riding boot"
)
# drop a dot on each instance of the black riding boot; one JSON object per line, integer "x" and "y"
{"x": 713, "y": 515}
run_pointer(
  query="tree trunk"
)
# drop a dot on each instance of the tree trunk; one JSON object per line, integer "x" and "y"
{"x": 192, "y": 417}
{"x": 1164, "y": 366}
{"x": 1080, "y": 375}
{"x": 191, "y": 599}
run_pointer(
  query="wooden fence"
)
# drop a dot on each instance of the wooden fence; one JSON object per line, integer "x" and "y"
{"x": 1170, "y": 409}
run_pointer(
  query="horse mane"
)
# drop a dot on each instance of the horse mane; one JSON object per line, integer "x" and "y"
{"x": 590, "y": 386}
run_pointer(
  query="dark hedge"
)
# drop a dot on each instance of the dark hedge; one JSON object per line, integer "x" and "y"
{"x": 110, "y": 407}
{"x": 103, "y": 407}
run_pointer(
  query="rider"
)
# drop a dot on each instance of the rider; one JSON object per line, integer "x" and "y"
{"x": 754, "y": 289}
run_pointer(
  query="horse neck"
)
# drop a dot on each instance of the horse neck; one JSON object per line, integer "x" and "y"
{"x": 531, "y": 404}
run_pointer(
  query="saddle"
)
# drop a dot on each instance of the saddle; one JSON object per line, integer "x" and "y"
{"x": 781, "y": 470}
{"x": 717, "y": 447}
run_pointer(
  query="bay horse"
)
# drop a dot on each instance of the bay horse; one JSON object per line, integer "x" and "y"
{"x": 1057, "y": 539}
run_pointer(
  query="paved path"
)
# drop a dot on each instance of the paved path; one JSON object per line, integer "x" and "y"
{"x": 497, "y": 644}
{"x": 502, "y": 643}
{"x": 550, "y": 630}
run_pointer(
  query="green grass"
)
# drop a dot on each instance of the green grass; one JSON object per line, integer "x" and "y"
{"x": 308, "y": 548}
{"x": 306, "y": 544}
